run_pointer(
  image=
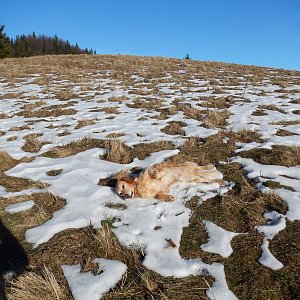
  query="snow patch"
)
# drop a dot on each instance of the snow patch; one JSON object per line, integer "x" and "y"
{"x": 219, "y": 239}
{"x": 18, "y": 207}
{"x": 85, "y": 285}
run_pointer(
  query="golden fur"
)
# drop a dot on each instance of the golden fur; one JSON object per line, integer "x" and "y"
{"x": 155, "y": 181}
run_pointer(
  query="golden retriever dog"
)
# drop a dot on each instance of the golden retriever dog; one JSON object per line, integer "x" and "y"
{"x": 155, "y": 181}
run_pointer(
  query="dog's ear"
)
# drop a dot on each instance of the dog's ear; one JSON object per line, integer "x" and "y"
{"x": 127, "y": 179}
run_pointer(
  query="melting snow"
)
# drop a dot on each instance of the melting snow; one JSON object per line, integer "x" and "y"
{"x": 85, "y": 285}
{"x": 219, "y": 240}
{"x": 18, "y": 207}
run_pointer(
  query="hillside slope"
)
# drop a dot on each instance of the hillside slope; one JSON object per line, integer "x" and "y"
{"x": 71, "y": 124}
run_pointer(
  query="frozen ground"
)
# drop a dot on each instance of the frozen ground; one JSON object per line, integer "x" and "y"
{"x": 113, "y": 107}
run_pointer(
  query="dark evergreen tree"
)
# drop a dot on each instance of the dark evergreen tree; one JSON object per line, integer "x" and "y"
{"x": 4, "y": 43}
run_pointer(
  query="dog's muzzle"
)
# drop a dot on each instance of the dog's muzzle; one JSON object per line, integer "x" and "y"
{"x": 125, "y": 196}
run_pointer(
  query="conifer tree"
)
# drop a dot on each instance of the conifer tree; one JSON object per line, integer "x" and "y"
{"x": 4, "y": 43}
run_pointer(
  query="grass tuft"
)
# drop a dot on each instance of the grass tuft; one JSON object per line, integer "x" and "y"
{"x": 37, "y": 286}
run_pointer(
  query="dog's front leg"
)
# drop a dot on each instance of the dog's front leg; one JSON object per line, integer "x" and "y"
{"x": 164, "y": 197}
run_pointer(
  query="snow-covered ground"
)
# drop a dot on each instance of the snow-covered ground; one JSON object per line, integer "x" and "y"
{"x": 87, "y": 202}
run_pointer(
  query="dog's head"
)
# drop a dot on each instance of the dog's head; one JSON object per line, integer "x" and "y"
{"x": 125, "y": 188}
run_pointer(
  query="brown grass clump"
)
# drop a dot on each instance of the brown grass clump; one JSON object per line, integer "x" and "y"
{"x": 4, "y": 116}
{"x": 37, "y": 286}
{"x": 146, "y": 104}
{"x": 54, "y": 172}
{"x": 284, "y": 132}
{"x": 6, "y": 161}
{"x": 19, "y": 128}
{"x": 16, "y": 184}
{"x": 110, "y": 110}
{"x": 188, "y": 110}
{"x": 296, "y": 101}
{"x": 259, "y": 112}
{"x": 64, "y": 133}
{"x": 65, "y": 95}
{"x": 49, "y": 111}
{"x": 33, "y": 143}
{"x": 288, "y": 156}
{"x": 286, "y": 123}
{"x": 117, "y": 151}
{"x": 217, "y": 103}
{"x": 174, "y": 128}
{"x": 74, "y": 147}
{"x": 215, "y": 118}
{"x": 118, "y": 99}
{"x": 83, "y": 123}
{"x": 110, "y": 247}
{"x": 245, "y": 136}
{"x": 115, "y": 135}
{"x": 143, "y": 150}
{"x": 212, "y": 150}
{"x": 271, "y": 107}
{"x": 36, "y": 104}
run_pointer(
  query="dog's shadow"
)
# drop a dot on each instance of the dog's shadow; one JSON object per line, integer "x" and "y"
{"x": 112, "y": 181}
{"x": 13, "y": 258}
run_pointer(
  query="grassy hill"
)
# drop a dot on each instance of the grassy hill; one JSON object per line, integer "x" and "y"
{"x": 71, "y": 124}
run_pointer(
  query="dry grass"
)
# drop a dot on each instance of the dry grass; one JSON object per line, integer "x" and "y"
{"x": 117, "y": 151}
{"x": 48, "y": 111}
{"x": 4, "y": 116}
{"x": 212, "y": 150}
{"x": 33, "y": 105}
{"x": 14, "y": 184}
{"x": 54, "y": 172}
{"x": 271, "y": 107}
{"x": 174, "y": 128}
{"x": 6, "y": 161}
{"x": 110, "y": 110}
{"x": 33, "y": 143}
{"x": 188, "y": 110}
{"x": 296, "y": 101}
{"x": 259, "y": 112}
{"x": 216, "y": 118}
{"x": 63, "y": 133}
{"x": 217, "y": 103}
{"x": 110, "y": 247}
{"x": 19, "y": 128}
{"x": 86, "y": 122}
{"x": 146, "y": 104}
{"x": 37, "y": 286}
{"x": 278, "y": 155}
{"x": 65, "y": 95}
{"x": 286, "y": 123}
{"x": 74, "y": 147}
{"x": 115, "y": 135}
{"x": 118, "y": 99}
{"x": 284, "y": 132}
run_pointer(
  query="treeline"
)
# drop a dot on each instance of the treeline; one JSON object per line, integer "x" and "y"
{"x": 32, "y": 45}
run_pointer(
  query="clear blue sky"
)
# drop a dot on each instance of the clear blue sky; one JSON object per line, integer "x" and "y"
{"x": 256, "y": 32}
